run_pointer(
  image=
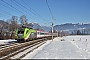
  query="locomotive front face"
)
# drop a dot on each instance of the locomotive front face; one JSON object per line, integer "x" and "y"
{"x": 25, "y": 34}
{"x": 20, "y": 33}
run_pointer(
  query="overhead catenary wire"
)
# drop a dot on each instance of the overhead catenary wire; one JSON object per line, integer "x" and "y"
{"x": 29, "y": 10}
{"x": 24, "y": 10}
{"x": 34, "y": 10}
{"x": 13, "y": 7}
{"x": 49, "y": 9}
{"x": 25, "y": 7}
{"x": 6, "y": 7}
{"x": 50, "y": 13}
{"x": 2, "y": 11}
{"x": 8, "y": 14}
{"x": 3, "y": 15}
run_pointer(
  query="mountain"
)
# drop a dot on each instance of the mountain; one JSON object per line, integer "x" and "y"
{"x": 3, "y": 24}
{"x": 72, "y": 27}
{"x": 35, "y": 25}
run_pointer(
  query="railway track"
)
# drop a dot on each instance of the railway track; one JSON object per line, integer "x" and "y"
{"x": 3, "y": 46}
{"x": 13, "y": 50}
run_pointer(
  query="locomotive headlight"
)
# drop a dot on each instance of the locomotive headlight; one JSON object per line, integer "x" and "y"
{"x": 20, "y": 36}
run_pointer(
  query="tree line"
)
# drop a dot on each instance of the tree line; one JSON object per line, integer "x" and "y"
{"x": 81, "y": 32}
{"x": 7, "y": 31}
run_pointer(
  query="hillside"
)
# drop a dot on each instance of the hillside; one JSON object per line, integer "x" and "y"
{"x": 70, "y": 26}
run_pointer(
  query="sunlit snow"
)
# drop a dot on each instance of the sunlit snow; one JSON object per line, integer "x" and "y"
{"x": 7, "y": 41}
{"x": 67, "y": 47}
{"x": 71, "y": 47}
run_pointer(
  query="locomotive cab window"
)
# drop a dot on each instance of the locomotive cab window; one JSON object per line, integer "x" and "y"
{"x": 21, "y": 31}
{"x": 27, "y": 31}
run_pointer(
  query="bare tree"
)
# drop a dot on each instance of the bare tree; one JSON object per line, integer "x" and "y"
{"x": 23, "y": 20}
{"x": 13, "y": 23}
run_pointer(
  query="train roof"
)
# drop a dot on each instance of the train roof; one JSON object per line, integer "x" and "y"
{"x": 26, "y": 27}
{"x": 42, "y": 31}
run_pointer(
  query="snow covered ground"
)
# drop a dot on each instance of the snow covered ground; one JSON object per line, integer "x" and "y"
{"x": 71, "y": 47}
{"x": 7, "y": 41}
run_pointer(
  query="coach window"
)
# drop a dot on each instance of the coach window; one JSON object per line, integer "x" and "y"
{"x": 41, "y": 33}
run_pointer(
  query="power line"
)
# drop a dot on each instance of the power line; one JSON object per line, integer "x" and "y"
{"x": 23, "y": 6}
{"x": 6, "y": 7}
{"x": 4, "y": 15}
{"x": 5, "y": 12}
{"x": 12, "y": 7}
{"x": 28, "y": 9}
{"x": 33, "y": 10}
{"x": 23, "y": 9}
{"x": 49, "y": 9}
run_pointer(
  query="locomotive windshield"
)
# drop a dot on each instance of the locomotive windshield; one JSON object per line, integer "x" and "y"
{"x": 20, "y": 31}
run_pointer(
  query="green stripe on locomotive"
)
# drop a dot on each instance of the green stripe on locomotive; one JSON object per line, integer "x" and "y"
{"x": 16, "y": 34}
{"x": 26, "y": 33}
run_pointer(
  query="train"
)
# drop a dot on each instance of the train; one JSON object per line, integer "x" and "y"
{"x": 26, "y": 34}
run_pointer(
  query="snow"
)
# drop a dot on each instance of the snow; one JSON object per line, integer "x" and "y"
{"x": 27, "y": 50}
{"x": 68, "y": 47}
{"x": 7, "y": 41}
{"x": 36, "y": 51}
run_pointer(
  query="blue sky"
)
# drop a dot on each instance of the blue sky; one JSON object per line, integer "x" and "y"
{"x": 64, "y": 11}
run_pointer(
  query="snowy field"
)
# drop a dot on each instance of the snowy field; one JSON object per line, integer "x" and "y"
{"x": 71, "y": 47}
{"x": 68, "y": 47}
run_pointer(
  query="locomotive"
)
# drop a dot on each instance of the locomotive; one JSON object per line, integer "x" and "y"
{"x": 26, "y": 34}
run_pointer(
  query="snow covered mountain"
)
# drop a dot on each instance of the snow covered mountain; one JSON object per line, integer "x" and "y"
{"x": 70, "y": 26}
{"x": 35, "y": 25}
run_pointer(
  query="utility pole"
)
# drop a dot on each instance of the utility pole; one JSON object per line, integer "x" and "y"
{"x": 52, "y": 26}
{"x": 52, "y": 18}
